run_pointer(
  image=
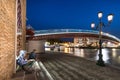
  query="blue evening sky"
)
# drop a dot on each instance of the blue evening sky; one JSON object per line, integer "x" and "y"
{"x": 72, "y": 14}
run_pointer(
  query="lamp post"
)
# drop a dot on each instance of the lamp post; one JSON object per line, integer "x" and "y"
{"x": 100, "y": 61}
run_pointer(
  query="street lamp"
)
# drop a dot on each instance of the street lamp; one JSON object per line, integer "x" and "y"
{"x": 100, "y": 61}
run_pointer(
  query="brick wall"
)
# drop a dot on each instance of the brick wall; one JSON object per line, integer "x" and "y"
{"x": 7, "y": 37}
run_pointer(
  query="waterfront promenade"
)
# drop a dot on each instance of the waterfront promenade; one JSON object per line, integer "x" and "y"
{"x": 63, "y": 66}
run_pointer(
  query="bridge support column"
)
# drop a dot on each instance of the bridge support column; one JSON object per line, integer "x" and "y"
{"x": 36, "y": 44}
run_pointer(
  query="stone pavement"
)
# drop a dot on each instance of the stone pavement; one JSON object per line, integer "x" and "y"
{"x": 36, "y": 75}
{"x": 62, "y": 66}
{"x": 68, "y": 67}
{"x": 21, "y": 75}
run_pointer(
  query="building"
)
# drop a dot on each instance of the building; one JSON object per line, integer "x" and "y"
{"x": 12, "y": 34}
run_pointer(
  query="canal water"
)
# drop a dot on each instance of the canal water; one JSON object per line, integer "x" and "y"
{"x": 110, "y": 56}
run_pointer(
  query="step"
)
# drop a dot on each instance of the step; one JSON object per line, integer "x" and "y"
{"x": 18, "y": 76}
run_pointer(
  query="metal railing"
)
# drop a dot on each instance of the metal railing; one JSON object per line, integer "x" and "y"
{"x": 43, "y": 74}
{"x": 63, "y": 31}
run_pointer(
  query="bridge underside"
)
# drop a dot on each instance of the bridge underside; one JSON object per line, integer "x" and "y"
{"x": 71, "y": 35}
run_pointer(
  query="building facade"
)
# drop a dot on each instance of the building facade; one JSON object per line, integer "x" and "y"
{"x": 12, "y": 34}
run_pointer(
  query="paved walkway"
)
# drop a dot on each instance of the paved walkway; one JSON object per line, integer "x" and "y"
{"x": 21, "y": 75}
{"x": 67, "y": 67}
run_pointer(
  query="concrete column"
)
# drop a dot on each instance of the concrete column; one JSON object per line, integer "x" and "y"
{"x": 36, "y": 44}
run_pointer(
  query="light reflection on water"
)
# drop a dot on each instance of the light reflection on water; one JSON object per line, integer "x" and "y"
{"x": 105, "y": 54}
{"x": 110, "y": 56}
{"x": 79, "y": 52}
{"x": 114, "y": 52}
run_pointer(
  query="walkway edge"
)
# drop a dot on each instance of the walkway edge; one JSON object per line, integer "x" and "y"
{"x": 45, "y": 70}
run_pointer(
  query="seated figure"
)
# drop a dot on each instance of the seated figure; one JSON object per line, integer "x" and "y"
{"x": 26, "y": 65}
{"x": 32, "y": 55}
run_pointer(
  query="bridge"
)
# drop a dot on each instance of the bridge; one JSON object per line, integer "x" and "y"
{"x": 41, "y": 35}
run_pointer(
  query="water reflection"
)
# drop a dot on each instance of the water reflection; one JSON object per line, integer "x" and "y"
{"x": 114, "y": 52}
{"x": 105, "y": 54}
{"x": 110, "y": 56}
{"x": 66, "y": 50}
{"x": 79, "y": 52}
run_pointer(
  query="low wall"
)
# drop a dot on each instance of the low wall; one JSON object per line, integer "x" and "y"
{"x": 36, "y": 44}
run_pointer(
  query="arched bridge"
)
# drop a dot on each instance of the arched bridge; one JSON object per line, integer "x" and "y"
{"x": 71, "y": 33}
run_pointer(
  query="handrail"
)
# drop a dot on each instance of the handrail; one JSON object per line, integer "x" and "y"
{"x": 62, "y": 30}
{"x": 45, "y": 72}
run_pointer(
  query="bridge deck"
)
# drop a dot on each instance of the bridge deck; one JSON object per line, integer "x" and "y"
{"x": 43, "y": 34}
{"x": 67, "y": 67}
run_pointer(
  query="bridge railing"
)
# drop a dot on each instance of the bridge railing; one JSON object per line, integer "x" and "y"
{"x": 106, "y": 34}
{"x": 64, "y": 31}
